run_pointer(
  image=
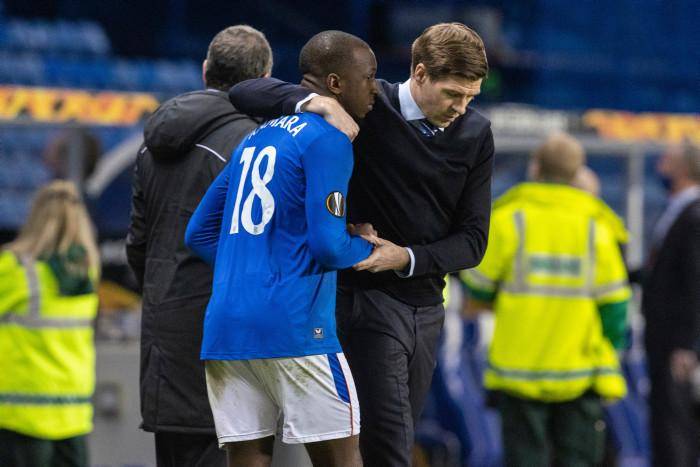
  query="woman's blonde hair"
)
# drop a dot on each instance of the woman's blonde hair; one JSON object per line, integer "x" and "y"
{"x": 57, "y": 222}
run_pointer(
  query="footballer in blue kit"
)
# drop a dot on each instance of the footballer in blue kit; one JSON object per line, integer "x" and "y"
{"x": 273, "y": 227}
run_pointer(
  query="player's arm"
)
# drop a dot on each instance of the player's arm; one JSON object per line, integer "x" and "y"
{"x": 136, "y": 235}
{"x": 465, "y": 246}
{"x": 271, "y": 98}
{"x": 204, "y": 227}
{"x": 327, "y": 166}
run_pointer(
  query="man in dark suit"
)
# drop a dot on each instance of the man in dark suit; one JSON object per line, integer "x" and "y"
{"x": 671, "y": 306}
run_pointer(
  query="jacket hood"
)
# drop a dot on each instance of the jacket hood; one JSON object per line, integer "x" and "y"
{"x": 566, "y": 197}
{"x": 179, "y": 123}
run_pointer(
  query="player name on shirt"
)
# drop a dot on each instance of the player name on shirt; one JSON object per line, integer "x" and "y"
{"x": 288, "y": 122}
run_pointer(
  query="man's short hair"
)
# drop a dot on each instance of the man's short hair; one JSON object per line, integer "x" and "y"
{"x": 236, "y": 54}
{"x": 691, "y": 157}
{"x": 450, "y": 49}
{"x": 559, "y": 158}
{"x": 328, "y": 52}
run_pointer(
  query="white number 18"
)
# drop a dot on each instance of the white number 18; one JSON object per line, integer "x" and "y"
{"x": 259, "y": 190}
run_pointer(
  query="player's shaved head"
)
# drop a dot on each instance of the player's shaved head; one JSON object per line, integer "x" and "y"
{"x": 342, "y": 66}
{"x": 329, "y": 52}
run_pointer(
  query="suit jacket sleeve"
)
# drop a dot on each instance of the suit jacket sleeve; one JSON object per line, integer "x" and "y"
{"x": 689, "y": 288}
{"x": 136, "y": 235}
{"x": 266, "y": 97}
{"x": 465, "y": 246}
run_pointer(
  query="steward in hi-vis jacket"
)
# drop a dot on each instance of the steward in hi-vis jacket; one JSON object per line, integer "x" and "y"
{"x": 554, "y": 276}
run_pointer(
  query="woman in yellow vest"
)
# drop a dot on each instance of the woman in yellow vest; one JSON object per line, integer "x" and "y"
{"x": 554, "y": 276}
{"x": 47, "y": 356}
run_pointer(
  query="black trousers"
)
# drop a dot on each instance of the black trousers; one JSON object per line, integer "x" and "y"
{"x": 390, "y": 347}
{"x": 675, "y": 437}
{"x": 18, "y": 450}
{"x": 188, "y": 450}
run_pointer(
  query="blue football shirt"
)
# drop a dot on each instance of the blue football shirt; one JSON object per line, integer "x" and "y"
{"x": 273, "y": 226}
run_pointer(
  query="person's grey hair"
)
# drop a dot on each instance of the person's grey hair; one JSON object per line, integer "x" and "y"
{"x": 328, "y": 52}
{"x": 691, "y": 157}
{"x": 236, "y": 54}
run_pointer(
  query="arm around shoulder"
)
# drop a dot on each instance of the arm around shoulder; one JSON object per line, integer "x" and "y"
{"x": 266, "y": 97}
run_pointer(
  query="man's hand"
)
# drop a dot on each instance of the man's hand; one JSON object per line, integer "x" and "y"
{"x": 683, "y": 362}
{"x": 364, "y": 229}
{"x": 386, "y": 256}
{"x": 334, "y": 113}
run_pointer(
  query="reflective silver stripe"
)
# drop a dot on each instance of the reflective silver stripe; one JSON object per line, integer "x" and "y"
{"x": 519, "y": 219}
{"x": 572, "y": 292}
{"x": 42, "y": 399}
{"x": 479, "y": 279}
{"x": 33, "y": 319}
{"x": 553, "y": 374}
{"x": 609, "y": 288}
{"x": 43, "y": 323}
{"x": 33, "y": 284}
{"x": 590, "y": 277}
{"x": 520, "y": 285}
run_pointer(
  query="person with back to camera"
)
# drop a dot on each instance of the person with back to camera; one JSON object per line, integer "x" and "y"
{"x": 273, "y": 226}
{"x": 422, "y": 179}
{"x": 48, "y": 301}
{"x": 187, "y": 142}
{"x": 555, "y": 278}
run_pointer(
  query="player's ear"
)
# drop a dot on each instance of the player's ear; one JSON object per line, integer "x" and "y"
{"x": 333, "y": 84}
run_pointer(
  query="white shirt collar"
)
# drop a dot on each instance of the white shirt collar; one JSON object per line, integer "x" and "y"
{"x": 676, "y": 205}
{"x": 686, "y": 195}
{"x": 409, "y": 109}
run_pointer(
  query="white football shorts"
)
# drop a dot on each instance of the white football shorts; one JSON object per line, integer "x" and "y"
{"x": 303, "y": 399}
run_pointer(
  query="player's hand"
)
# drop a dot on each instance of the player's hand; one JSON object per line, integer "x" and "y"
{"x": 362, "y": 229}
{"x": 386, "y": 256}
{"x": 334, "y": 113}
{"x": 683, "y": 362}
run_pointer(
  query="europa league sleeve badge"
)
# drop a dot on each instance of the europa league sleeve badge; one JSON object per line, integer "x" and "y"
{"x": 335, "y": 203}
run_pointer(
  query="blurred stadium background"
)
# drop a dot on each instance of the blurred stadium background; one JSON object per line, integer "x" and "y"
{"x": 77, "y": 80}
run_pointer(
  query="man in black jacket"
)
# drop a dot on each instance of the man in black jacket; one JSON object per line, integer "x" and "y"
{"x": 422, "y": 178}
{"x": 187, "y": 142}
{"x": 671, "y": 306}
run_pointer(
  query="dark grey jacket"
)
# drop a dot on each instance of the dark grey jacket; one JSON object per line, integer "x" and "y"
{"x": 187, "y": 143}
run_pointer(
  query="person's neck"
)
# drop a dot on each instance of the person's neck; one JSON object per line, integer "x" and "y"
{"x": 315, "y": 85}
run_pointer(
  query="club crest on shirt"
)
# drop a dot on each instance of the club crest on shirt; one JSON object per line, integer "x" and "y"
{"x": 318, "y": 333}
{"x": 335, "y": 203}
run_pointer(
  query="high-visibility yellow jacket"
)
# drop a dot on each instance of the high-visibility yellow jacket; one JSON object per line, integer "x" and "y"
{"x": 554, "y": 271}
{"x": 47, "y": 354}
